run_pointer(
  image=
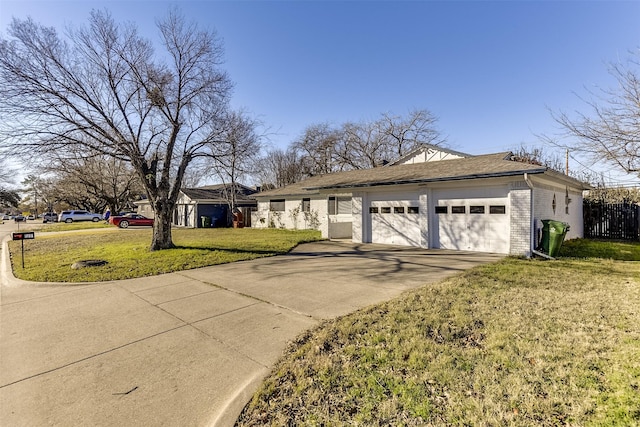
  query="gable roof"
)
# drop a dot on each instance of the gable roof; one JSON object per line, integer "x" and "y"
{"x": 427, "y": 148}
{"x": 483, "y": 166}
{"x": 217, "y": 193}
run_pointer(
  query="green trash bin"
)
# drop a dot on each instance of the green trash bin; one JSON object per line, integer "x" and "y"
{"x": 553, "y": 233}
{"x": 205, "y": 221}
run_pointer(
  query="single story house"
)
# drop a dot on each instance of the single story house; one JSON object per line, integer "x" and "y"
{"x": 207, "y": 206}
{"x": 432, "y": 198}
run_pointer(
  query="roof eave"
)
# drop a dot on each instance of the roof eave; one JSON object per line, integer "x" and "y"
{"x": 428, "y": 180}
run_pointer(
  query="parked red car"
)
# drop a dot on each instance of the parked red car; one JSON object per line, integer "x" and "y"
{"x": 131, "y": 219}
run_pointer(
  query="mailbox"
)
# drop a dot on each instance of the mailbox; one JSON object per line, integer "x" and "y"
{"x": 27, "y": 235}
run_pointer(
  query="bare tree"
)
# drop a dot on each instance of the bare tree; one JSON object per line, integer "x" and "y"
{"x": 363, "y": 145}
{"x": 403, "y": 134}
{"x": 610, "y": 131}
{"x": 278, "y": 168}
{"x": 110, "y": 181}
{"x": 538, "y": 156}
{"x": 317, "y": 146}
{"x": 103, "y": 89}
{"x": 236, "y": 151}
{"x": 8, "y": 197}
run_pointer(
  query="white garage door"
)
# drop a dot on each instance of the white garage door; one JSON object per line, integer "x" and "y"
{"x": 468, "y": 222}
{"x": 395, "y": 222}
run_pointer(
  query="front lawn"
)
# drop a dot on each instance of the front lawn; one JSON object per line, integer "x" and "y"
{"x": 519, "y": 343}
{"x": 48, "y": 258}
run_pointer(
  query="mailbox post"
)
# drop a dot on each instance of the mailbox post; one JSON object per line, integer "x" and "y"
{"x": 22, "y": 236}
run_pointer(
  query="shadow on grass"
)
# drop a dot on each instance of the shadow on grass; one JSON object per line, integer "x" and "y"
{"x": 232, "y": 250}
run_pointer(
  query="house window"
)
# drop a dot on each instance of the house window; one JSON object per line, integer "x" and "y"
{"x": 458, "y": 209}
{"x": 276, "y": 205}
{"x": 306, "y": 205}
{"x": 339, "y": 205}
{"x": 497, "y": 210}
{"x": 476, "y": 209}
{"x": 398, "y": 209}
{"x": 413, "y": 210}
{"x": 373, "y": 209}
{"x": 385, "y": 209}
{"x": 441, "y": 210}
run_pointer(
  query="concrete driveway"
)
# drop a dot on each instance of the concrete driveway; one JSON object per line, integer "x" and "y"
{"x": 186, "y": 348}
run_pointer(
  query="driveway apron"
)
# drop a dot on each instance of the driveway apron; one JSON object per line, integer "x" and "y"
{"x": 186, "y": 348}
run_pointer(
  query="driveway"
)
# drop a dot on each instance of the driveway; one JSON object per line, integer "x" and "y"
{"x": 186, "y": 348}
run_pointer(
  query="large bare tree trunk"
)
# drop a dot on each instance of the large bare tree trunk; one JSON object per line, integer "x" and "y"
{"x": 162, "y": 238}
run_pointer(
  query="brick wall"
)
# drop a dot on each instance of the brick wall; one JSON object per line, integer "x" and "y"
{"x": 520, "y": 217}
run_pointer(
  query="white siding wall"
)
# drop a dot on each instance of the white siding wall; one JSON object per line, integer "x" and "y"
{"x": 424, "y": 217}
{"x": 264, "y": 218}
{"x": 429, "y": 156}
{"x": 145, "y": 209}
{"x": 358, "y": 202}
{"x": 543, "y": 208}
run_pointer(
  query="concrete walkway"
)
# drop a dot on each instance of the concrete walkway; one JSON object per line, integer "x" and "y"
{"x": 187, "y": 348}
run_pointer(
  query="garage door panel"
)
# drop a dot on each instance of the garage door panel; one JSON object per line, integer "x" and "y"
{"x": 395, "y": 222}
{"x": 452, "y": 235}
{"x": 472, "y": 223}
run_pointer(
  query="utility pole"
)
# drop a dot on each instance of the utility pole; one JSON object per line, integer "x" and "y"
{"x": 567, "y": 166}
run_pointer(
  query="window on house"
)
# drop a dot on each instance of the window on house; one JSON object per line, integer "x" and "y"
{"x": 497, "y": 210}
{"x": 458, "y": 209}
{"x": 276, "y": 205}
{"x": 339, "y": 205}
{"x": 385, "y": 209}
{"x": 373, "y": 209}
{"x": 441, "y": 210}
{"x": 476, "y": 209}
{"x": 398, "y": 209}
{"x": 306, "y": 205}
{"x": 413, "y": 210}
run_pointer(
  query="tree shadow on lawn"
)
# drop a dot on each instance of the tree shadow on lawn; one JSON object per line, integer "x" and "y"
{"x": 232, "y": 250}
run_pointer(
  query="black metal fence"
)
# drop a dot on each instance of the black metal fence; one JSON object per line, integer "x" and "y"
{"x": 615, "y": 221}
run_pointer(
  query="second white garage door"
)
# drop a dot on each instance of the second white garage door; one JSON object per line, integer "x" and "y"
{"x": 471, "y": 221}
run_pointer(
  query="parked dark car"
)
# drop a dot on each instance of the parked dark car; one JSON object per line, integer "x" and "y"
{"x": 19, "y": 218}
{"x": 131, "y": 219}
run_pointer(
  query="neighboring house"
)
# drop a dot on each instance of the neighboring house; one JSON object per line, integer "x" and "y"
{"x": 435, "y": 199}
{"x": 210, "y": 202}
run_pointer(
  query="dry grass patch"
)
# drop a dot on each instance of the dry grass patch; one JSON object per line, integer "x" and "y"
{"x": 517, "y": 343}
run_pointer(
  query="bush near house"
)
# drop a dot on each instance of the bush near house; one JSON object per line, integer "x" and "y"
{"x": 520, "y": 343}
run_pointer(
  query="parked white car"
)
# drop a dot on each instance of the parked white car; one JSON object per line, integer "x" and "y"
{"x": 71, "y": 216}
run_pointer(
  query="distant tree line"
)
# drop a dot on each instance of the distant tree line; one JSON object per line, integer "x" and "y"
{"x": 323, "y": 148}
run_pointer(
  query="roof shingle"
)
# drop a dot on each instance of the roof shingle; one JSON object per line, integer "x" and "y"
{"x": 483, "y": 166}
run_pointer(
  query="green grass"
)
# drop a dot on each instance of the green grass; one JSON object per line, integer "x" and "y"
{"x": 515, "y": 343}
{"x": 62, "y": 226}
{"x": 582, "y": 248}
{"x": 48, "y": 258}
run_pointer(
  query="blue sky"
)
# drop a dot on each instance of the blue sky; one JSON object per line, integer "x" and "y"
{"x": 489, "y": 70}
